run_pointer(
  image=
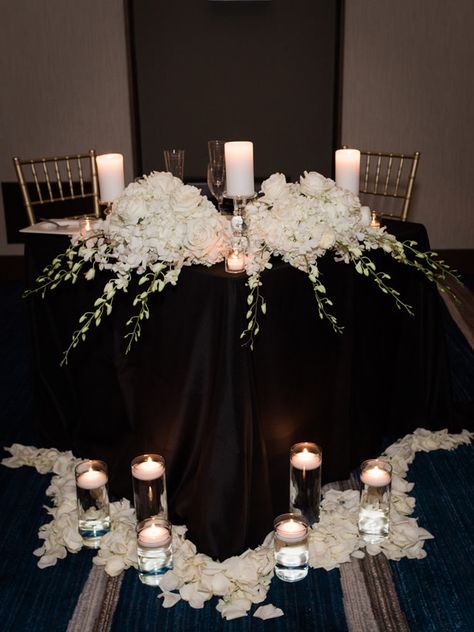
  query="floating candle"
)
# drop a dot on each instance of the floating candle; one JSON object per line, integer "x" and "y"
{"x": 306, "y": 460}
{"x": 291, "y": 530}
{"x": 153, "y": 536}
{"x": 148, "y": 470}
{"x": 92, "y": 479}
{"x": 375, "y": 476}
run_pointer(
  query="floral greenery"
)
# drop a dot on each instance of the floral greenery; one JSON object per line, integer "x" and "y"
{"x": 158, "y": 225}
{"x": 243, "y": 580}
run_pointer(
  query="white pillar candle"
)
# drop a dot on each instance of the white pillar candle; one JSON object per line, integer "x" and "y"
{"x": 148, "y": 470}
{"x": 306, "y": 460}
{"x": 153, "y": 536}
{"x": 375, "y": 477}
{"x": 291, "y": 531}
{"x": 111, "y": 178}
{"x": 239, "y": 169}
{"x": 348, "y": 169}
{"x": 92, "y": 479}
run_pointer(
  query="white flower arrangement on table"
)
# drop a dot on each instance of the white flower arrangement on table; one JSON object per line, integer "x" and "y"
{"x": 158, "y": 225}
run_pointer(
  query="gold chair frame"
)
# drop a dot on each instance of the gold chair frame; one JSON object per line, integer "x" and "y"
{"x": 48, "y": 172}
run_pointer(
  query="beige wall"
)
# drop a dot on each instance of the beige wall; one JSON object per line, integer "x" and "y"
{"x": 409, "y": 85}
{"x": 64, "y": 85}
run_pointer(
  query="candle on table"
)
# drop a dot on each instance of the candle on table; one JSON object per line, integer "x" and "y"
{"x": 111, "y": 178}
{"x": 153, "y": 536}
{"x": 348, "y": 169}
{"x": 239, "y": 169}
{"x": 306, "y": 460}
{"x": 291, "y": 531}
{"x": 148, "y": 470}
{"x": 92, "y": 479}
{"x": 374, "y": 222}
{"x": 375, "y": 476}
{"x": 235, "y": 261}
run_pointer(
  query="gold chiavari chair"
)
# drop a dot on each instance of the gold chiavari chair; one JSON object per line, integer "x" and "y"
{"x": 46, "y": 181}
{"x": 388, "y": 179}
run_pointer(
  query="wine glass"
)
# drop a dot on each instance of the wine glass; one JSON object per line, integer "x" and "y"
{"x": 174, "y": 162}
{"x": 216, "y": 171}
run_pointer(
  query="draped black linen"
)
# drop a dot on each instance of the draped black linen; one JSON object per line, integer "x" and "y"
{"x": 223, "y": 416}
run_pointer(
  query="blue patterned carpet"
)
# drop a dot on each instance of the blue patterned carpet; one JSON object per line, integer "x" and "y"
{"x": 436, "y": 594}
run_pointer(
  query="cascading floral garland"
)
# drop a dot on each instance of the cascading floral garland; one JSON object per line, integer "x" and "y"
{"x": 243, "y": 580}
{"x": 158, "y": 225}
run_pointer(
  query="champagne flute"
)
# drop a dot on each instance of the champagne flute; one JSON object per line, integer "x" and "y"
{"x": 216, "y": 171}
{"x": 174, "y": 162}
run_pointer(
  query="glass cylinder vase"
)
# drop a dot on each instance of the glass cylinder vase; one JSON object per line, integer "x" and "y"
{"x": 149, "y": 486}
{"x": 375, "y": 491}
{"x": 305, "y": 480}
{"x": 154, "y": 548}
{"x": 290, "y": 543}
{"x": 92, "y": 501}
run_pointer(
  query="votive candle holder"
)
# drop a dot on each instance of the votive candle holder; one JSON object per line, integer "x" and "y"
{"x": 290, "y": 542}
{"x": 305, "y": 480}
{"x": 149, "y": 486}
{"x": 375, "y": 493}
{"x": 155, "y": 550}
{"x": 92, "y": 501}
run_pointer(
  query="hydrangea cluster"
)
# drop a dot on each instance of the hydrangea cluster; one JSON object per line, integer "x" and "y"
{"x": 158, "y": 225}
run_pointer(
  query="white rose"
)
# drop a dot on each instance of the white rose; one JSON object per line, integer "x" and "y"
{"x": 185, "y": 200}
{"x": 328, "y": 239}
{"x": 275, "y": 187}
{"x": 313, "y": 184}
{"x": 130, "y": 210}
{"x": 202, "y": 237}
{"x": 164, "y": 182}
{"x": 365, "y": 215}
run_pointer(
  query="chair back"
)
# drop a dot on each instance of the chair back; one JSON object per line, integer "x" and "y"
{"x": 59, "y": 179}
{"x": 388, "y": 178}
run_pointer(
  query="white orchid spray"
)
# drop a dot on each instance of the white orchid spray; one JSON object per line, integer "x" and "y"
{"x": 243, "y": 580}
{"x": 300, "y": 222}
{"x": 158, "y": 225}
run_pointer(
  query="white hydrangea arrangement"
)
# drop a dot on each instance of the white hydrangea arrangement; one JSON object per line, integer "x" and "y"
{"x": 158, "y": 225}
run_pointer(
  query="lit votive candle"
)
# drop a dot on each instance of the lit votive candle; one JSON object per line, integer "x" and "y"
{"x": 91, "y": 479}
{"x": 239, "y": 169}
{"x": 148, "y": 469}
{"x": 111, "y": 177}
{"x": 374, "y": 221}
{"x": 235, "y": 262}
{"x": 375, "y": 476}
{"x": 92, "y": 501}
{"x": 305, "y": 480}
{"x": 375, "y": 491}
{"x": 154, "y": 549}
{"x": 153, "y": 536}
{"x": 348, "y": 169}
{"x": 290, "y": 545}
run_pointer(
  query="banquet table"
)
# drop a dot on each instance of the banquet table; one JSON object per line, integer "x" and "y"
{"x": 224, "y": 416}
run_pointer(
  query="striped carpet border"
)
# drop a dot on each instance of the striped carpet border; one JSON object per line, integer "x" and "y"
{"x": 97, "y": 602}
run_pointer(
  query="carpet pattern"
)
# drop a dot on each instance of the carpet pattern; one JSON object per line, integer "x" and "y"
{"x": 432, "y": 595}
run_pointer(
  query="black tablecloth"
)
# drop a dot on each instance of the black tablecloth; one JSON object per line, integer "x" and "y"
{"x": 224, "y": 417}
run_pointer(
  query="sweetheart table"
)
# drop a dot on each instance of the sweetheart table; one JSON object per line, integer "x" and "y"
{"x": 223, "y": 416}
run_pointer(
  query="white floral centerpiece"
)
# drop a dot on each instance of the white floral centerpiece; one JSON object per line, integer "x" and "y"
{"x": 158, "y": 225}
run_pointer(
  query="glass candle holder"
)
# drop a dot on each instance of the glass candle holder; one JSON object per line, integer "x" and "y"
{"x": 149, "y": 486}
{"x": 290, "y": 543}
{"x": 305, "y": 480}
{"x": 154, "y": 547}
{"x": 374, "y": 510}
{"x": 86, "y": 225}
{"x": 235, "y": 261}
{"x": 92, "y": 501}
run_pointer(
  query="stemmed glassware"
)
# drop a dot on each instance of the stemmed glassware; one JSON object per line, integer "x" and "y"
{"x": 216, "y": 171}
{"x": 174, "y": 162}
